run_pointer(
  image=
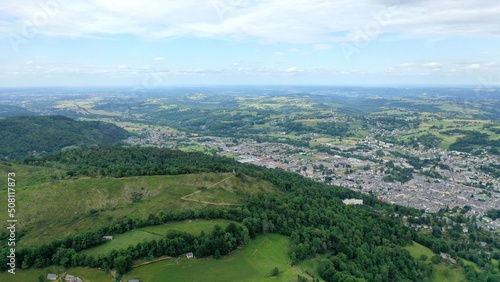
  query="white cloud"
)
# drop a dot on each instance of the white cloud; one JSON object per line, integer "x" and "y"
{"x": 160, "y": 59}
{"x": 407, "y": 65}
{"x": 323, "y": 47}
{"x": 292, "y": 69}
{"x": 432, "y": 65}
{"x": 278, "y": 54}
{"x": 304, "y": 21}
{"x": 473, "y": 66}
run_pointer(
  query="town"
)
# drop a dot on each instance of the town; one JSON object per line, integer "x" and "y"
{"x": 457, "y": 185}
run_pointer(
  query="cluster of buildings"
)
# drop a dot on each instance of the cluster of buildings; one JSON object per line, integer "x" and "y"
{"x": 361, "y": 167}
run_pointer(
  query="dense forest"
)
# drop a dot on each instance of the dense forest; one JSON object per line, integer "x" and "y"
{"x": 25, "y": 136}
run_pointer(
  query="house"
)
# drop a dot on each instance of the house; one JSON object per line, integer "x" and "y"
{"x": 189, "y": 255}
{"x": 352, "y": 202}
{"x": 71, "y": 278}
{"x": 52, "y": 276}
{"x": 107, "y": 238}
{"x": 134, "y": 280}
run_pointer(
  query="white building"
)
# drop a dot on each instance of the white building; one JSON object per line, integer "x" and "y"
{"x": 352, "y": 202}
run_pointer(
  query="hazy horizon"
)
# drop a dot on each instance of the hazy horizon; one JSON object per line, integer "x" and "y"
{"x": 249, "y": 42}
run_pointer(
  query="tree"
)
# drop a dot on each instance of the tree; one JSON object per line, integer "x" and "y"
{"x": 436, "y": 259}
{"x": 122, "y": 264}
{"x": 217, "y": 254}
{"x": 275, "y": 272}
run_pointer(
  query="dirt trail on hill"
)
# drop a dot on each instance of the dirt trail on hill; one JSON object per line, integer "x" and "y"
{"x": 186, "y": 198}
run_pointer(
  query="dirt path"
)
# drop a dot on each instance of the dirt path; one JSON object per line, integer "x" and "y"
{"x": 186, "y": 197}
{"x": 263, "y": 241}
{"x": 152, "y": 261}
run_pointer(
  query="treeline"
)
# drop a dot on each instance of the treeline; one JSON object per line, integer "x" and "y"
{"x": 493, "y": 214}
{"x": 317, "y": 222}
{"x": 133, "y": 161}
{"x": 476, "y": 140}
{"x": 391, "y": 123}
{"x": 26, "y": 136}
{"x": 335, "y": 129}
{"x": 66, "y": 251}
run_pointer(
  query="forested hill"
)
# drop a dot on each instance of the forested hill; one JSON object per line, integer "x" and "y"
{"x": 26, "y": 136}
{"x": 359, "y": 244}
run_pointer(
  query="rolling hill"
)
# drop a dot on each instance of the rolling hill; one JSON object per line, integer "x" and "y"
{"x": 29, "y": 136}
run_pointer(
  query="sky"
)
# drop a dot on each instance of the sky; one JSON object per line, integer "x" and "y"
{"x": 156, "y": 43}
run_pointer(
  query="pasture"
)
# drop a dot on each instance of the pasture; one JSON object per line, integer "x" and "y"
{"x": 122, "y": 241}
{"x": 54, "y": 209}
{"x": 253, "y": 262}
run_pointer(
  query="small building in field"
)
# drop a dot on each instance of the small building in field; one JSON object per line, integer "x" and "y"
{"x": 107, "y": 238}
{"x": 71, "y": 278}
{"x": 189, "y": 255}
{"x": 52, "y": 276}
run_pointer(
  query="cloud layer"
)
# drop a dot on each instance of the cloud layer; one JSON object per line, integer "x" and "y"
{"x": 298, "y": 21}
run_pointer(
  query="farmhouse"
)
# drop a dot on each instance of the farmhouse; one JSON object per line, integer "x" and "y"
{"x": 52, "y": 276}
{"x": 189, "y": 255}
{"x": 107, "y": 238}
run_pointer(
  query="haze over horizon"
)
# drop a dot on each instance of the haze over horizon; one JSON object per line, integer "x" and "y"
{"x": 310, "y": 42}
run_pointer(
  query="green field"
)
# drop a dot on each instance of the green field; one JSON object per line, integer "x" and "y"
{"x": 217, "y": 195}
{"x": 86, "y": 274}
{"x": 122, "y": 241}
{"x": 443, "y": 272}
{"x": 254, "y": 262}
{"x": 96, "y": 202}
{"x": 309, "y": 267}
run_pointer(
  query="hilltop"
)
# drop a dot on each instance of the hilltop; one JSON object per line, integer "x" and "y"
{"x": 28, "y": 136}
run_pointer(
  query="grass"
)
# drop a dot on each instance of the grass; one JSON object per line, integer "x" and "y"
{"x": 252, "y": 263}
{"x": 43, "y": 207}
{"x": 217, "y": 195}
{"x": 87, "y": 274}
{"x": 122, "y": 241}
{"x": 310, "y": 267}
{"x": 443, "y": 272}
{"x": 28, "y": 175}
{"x": 417, "y": 250}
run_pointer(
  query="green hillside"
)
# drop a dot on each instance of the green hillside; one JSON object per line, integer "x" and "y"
{"x": 253, "y": 263}
{"x": 59, "y": 208}
{"x": 27, "y": 136}
{"x": 135, "y": 194}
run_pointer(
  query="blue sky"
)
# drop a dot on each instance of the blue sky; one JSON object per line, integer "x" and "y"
{"x": 158, "y": 43}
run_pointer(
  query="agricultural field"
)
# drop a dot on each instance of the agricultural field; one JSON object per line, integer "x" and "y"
{"x": 122, "y": 241}
{"x": 253, "y": 262}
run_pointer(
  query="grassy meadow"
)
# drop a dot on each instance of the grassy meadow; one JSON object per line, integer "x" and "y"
{"x": 444, "y": 272}
{"x": 50, "y": 209}
{"x": 122, "y": 241}
{"x": 253, "y": 262}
